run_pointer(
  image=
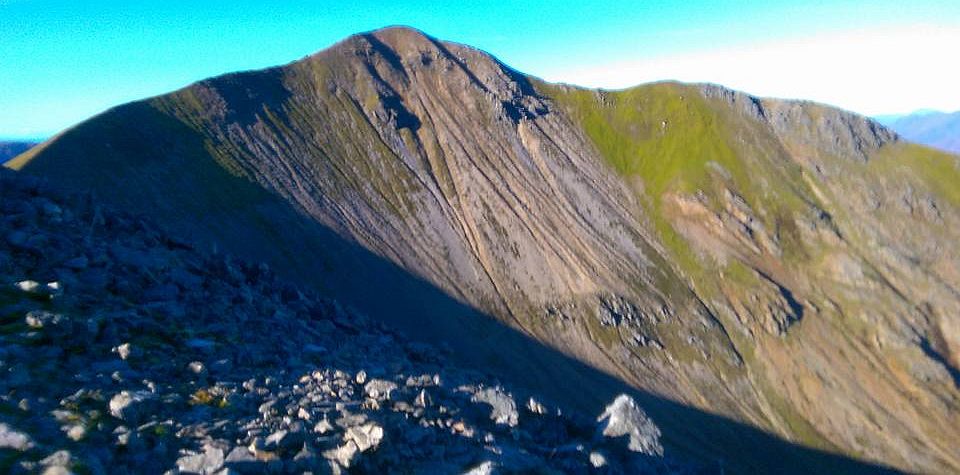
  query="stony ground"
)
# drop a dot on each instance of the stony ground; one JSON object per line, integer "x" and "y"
{"x": 123, "y": 350}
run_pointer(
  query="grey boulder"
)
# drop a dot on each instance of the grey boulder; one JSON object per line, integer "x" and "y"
{"x": 624, "y": 417}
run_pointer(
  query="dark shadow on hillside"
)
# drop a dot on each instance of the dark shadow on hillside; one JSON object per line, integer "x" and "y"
{"x": 424, "y": 312}
{"x": 181, "y": 188}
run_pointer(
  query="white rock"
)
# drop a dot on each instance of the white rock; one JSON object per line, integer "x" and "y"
{"x": 11, "y": 438}
{"x": 126, "y": 405}
{"x": 56, "y": 470}
{"x": 276, "y": 439}
{"x": 535, "y": 407}
{"x": 624, "y": 417}
{"x": 60, "y": 458}
{"x": 504, "y": 408}
{"x": 196, "y": 367}
{"x": 343, "y": 454}
{"x": 366, "y": 436}
{"x": 597, "y": 460}
{"x": 423, "y": 399}
{"x": 323, "y": 427}
{"x": 42, "y": 318}
{"x": 76, "y": 432}
{"x": 124, "y": 351}
{"x": 485, "y": 468}
{"x": 379, "y": 388}
{"x": 206, "y": 462}
{"x": 28, "y": 285}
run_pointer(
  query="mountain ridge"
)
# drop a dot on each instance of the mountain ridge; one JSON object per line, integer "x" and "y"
{"x": 667, "y": 234}
{"x": 929, "y": 127}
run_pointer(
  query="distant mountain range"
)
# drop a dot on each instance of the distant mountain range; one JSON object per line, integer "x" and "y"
{"x": 933, "y": 128}
{"x": 10, "y": 149}
{"x": 749, "y": 267}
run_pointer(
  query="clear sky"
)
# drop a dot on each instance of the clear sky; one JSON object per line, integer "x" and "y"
{"x": 64, "y": 61}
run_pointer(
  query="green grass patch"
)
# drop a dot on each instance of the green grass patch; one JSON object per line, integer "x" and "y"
{"x": 203, "y": 397}
{"x": 939, "y": 170}
{"x": 664, "y": 132}
{"x": 676, "y": 141}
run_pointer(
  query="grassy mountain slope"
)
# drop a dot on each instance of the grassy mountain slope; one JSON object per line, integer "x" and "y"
{"x": 783, "y": 264}
{"x": 827, "y": 210}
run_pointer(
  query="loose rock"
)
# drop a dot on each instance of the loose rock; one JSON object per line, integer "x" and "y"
{"x": 503, "y": 407}
{"x": 13, "y": 439}
{"x": 624, "y": 417}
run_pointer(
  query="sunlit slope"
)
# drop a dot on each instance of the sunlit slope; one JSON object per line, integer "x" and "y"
{"x": 820, "y": 241}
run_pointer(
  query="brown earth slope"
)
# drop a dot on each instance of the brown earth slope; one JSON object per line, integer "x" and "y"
{"x": 782, "y": 264}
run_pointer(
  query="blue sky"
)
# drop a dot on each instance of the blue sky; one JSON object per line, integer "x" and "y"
{"x": 64, "y": 61}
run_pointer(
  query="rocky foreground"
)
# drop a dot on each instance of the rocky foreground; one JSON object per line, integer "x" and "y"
{"x": 124, "y": 350}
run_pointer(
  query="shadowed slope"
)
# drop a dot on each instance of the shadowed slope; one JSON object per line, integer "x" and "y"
{"x": 9, "y": 150}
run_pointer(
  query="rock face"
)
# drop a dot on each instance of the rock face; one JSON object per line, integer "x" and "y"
{"x": 784, "y": 264}
{"x": 110, "y": 387}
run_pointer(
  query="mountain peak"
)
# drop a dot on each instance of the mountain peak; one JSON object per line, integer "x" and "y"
{"x": 398, "y": 35}
{"x": 400, "y": 41}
